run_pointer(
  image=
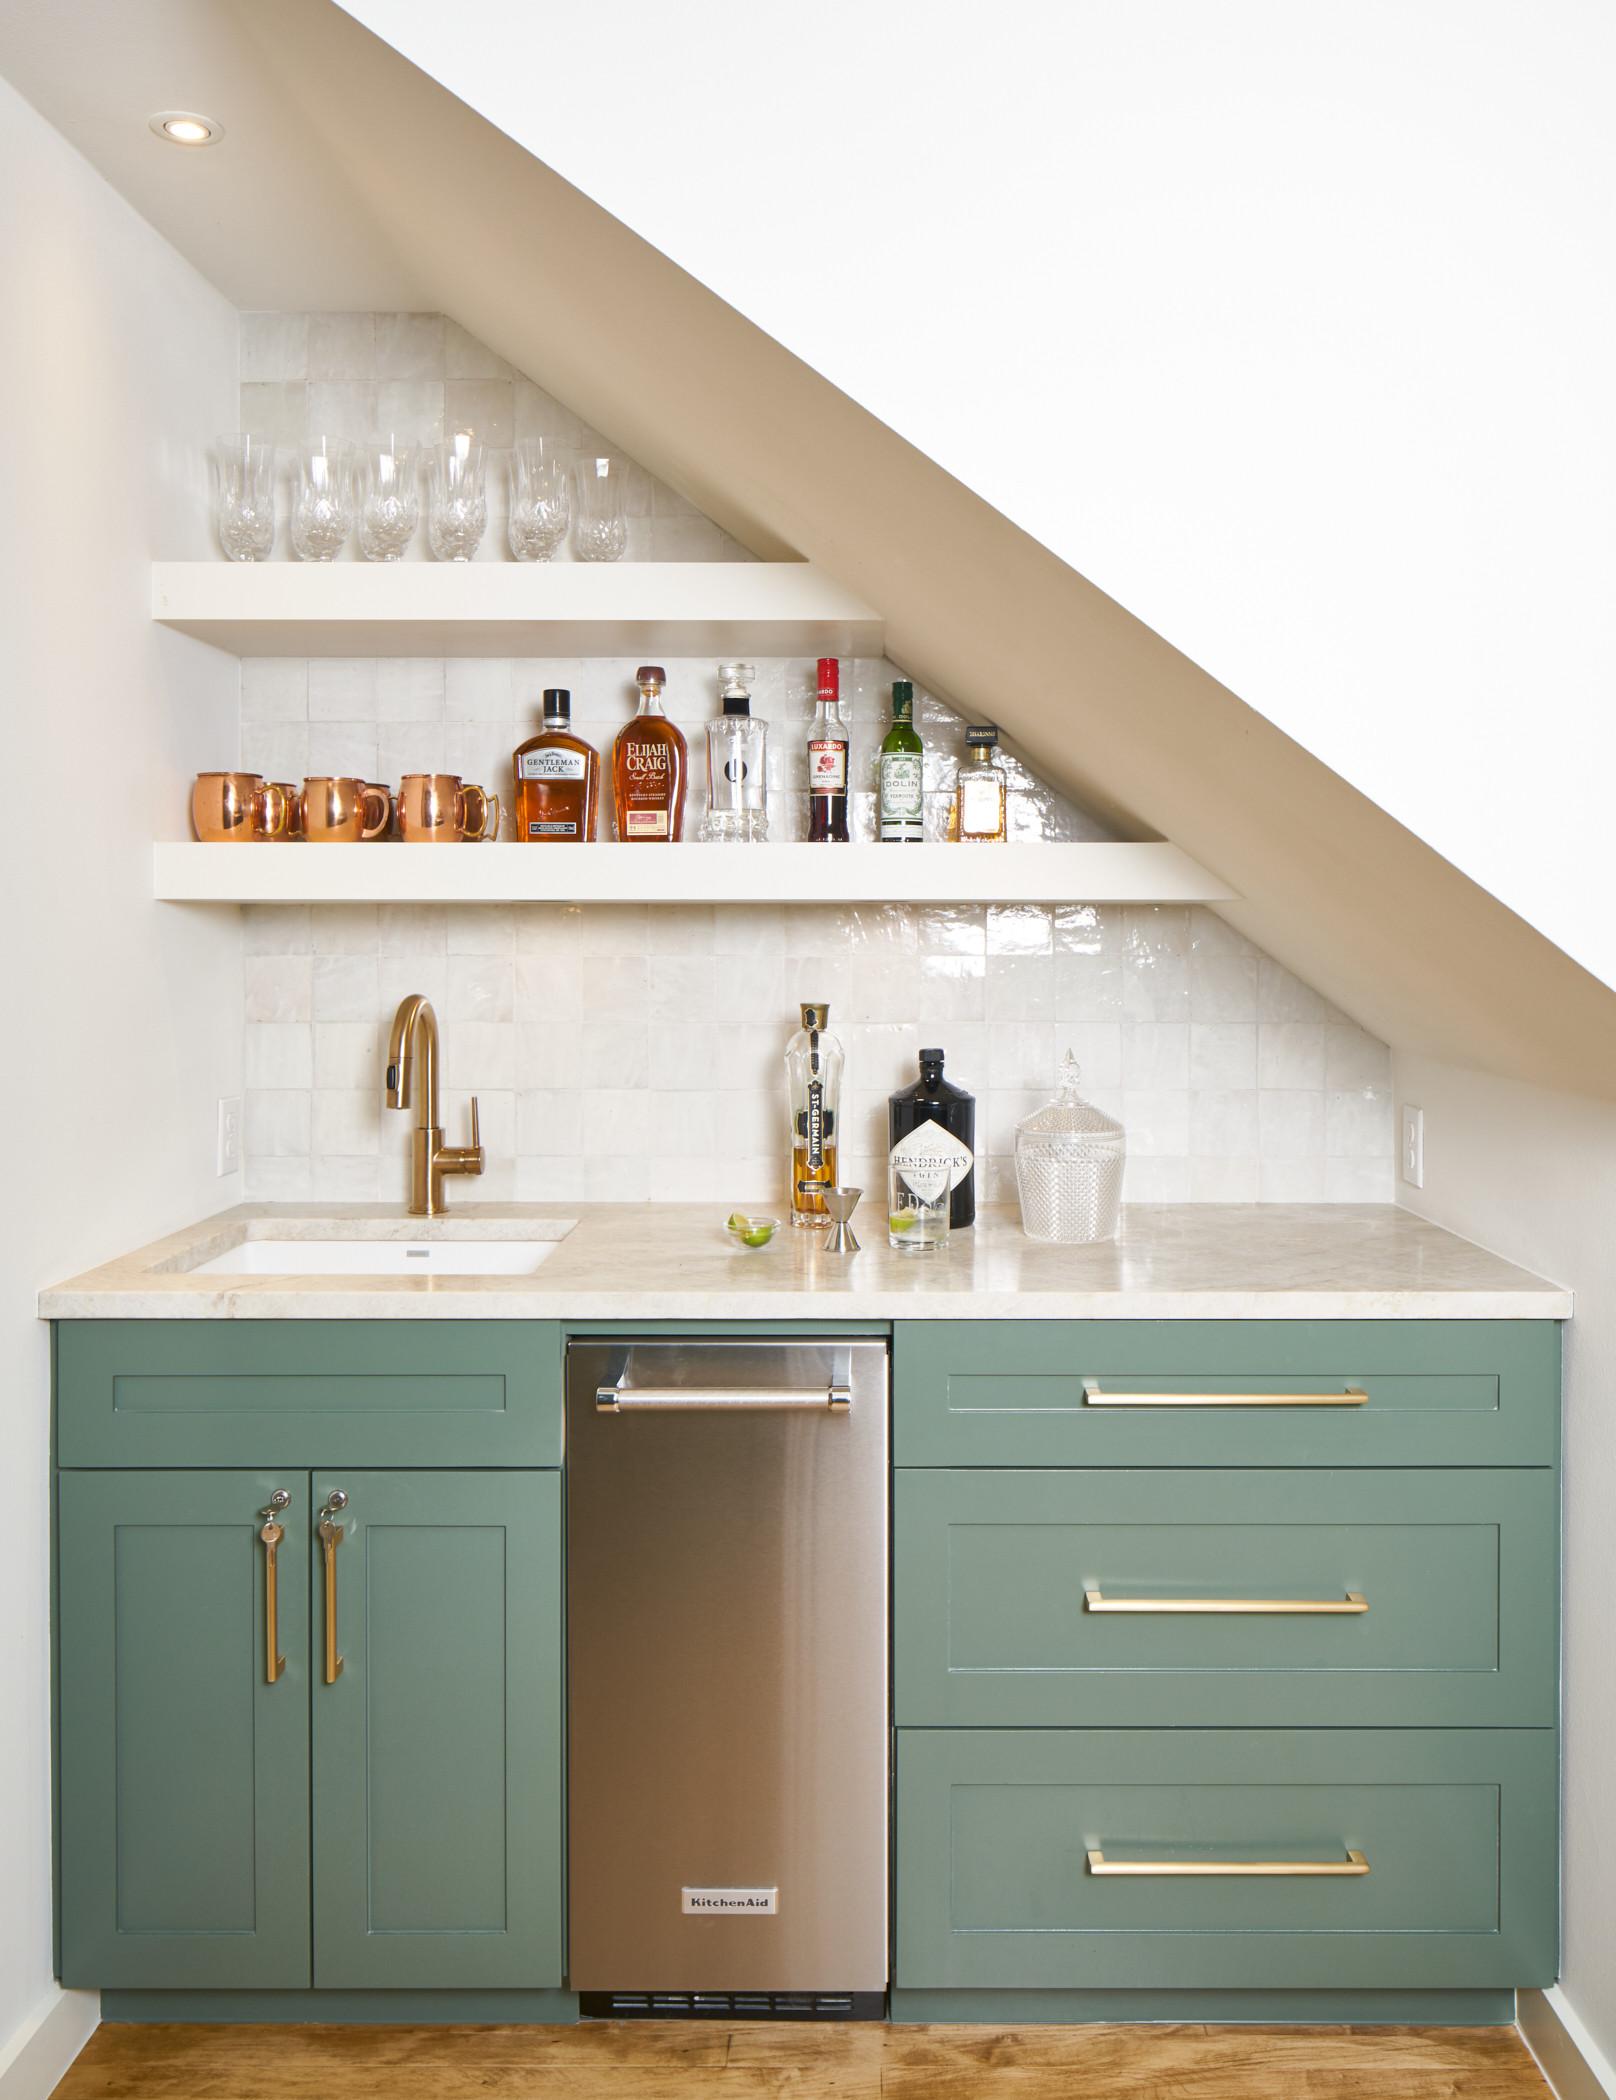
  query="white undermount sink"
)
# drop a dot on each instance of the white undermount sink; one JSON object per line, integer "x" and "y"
{"x": 425, "y": 1258}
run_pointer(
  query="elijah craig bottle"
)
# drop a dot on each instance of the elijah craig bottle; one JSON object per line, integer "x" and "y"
{"x": 934, "y": 1099}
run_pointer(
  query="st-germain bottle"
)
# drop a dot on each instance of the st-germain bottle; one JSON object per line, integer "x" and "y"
{"x": 650, "y": 761}
{"x": 827, "y": 760}
{"x": 813, "y": 1096}
{"x": 945, "y": 1114}
{"x": 557, "y": 779}
{"x": 901, "y": 819}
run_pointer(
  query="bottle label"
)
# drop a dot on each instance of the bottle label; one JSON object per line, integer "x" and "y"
{"x": 827, "y": 765}
{"x": 902, "y": 775}
{"x": 552, "y": 828}
{"x": 816, "y": 1123}
{"x": 645, "y": 823}
{"x": 551, "y": 765}
{"x": 931, "y": 1161}
{"x": 645, "y": 757}
{"x": 980, "y": 811}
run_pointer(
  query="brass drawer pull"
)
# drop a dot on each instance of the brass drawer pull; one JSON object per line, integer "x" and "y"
{"x": 1349, "y": 1396}
{"x": 272, "y": 1532}
{"x": 1353, "y": 1866}
{"x": 1352, "y": 1605}
{"x": 330, "y": 1540}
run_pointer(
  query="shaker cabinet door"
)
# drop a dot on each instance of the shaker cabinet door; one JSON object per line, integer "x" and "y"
{"x": 437, "y": 1731}
{"x": 183, "y": 1791}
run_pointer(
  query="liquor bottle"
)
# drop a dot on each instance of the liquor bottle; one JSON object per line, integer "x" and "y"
{"x": 902, "y": 818}
{"x": 813, "y": 1093}
{"x": 827, "y": 760}
{"x": 944, "y": 1115}
{"x": 557, "y": 778}
{"x": 979, "y": 797}
{"x": 737, "y": 764}
{"x": 649, "y": 765}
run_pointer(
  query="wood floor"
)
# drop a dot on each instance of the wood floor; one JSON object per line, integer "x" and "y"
{"x": 691, "y": 2060}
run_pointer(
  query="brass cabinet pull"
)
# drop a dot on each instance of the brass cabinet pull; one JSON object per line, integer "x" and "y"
{"x": 1352, "y": 1605}
{"x": 272, "y": 1532}
{"x": 330, "y": 1540}
{"x": 1349, "y": 1396}
{"x": 1354, "y": 1865}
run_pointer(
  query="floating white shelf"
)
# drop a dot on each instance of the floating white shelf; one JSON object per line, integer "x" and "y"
{"x": 292, "y": 873}
{"x": 421, "y": 608}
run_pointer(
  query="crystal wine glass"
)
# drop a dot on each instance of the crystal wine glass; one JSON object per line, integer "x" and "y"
{"x": 600, "y": 530}
{"x": 323, "y": 504}
{"x": 457, "y": 514}
{"x": 541, "y": 500}
{"x": 390, "y": 500}
{"x": 246, "y": 471}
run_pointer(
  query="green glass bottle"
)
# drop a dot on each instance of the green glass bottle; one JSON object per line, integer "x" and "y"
{"x": 902, "y": 812}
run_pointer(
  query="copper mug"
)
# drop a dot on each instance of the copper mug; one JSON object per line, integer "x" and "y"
{"x": 441, "y": 809}
{"x": 229, "y": 809}
{"x": 294, "y": 807}
{"x": 340, "y": 809}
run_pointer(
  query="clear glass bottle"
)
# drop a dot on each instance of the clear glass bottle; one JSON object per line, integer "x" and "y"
{"x": 827, "y": 759}
{"x": 813, "y": 1096}
{"x": 557, "y": 779}
{"x": 901, "y": 814}
{"x": 979, "y": 814}
{"x": 944, "y": 1115}
{"x": 737, "y": 764}
{"x": 650, "y": 761}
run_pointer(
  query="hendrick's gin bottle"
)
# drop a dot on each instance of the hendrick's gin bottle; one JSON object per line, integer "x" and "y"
{"x": 936, "y": 1100}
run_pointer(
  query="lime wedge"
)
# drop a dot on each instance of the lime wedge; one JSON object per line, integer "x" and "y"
{"x": 738, "y": 1221}
{"x": 902, "y": 1221}
{"x": 757, "y": 1236}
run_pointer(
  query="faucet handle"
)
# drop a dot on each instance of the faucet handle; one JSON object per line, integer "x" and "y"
{"x": 476, "y": 1127}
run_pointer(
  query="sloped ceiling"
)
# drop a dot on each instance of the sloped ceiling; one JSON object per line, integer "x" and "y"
{"x": 348, "y": 179}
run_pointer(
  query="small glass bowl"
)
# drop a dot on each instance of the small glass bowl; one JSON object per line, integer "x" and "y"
{"x": 751, "y": 1228}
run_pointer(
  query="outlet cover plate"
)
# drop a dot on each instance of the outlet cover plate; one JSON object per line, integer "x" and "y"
{"x": 229, "y": 1140}
{"x": 1412, "y": 1159}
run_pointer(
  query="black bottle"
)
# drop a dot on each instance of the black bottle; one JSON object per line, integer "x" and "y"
{"x": 934, "y": 1099}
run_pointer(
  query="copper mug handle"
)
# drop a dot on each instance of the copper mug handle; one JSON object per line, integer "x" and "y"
{"x": 277, "y": 808}
{"x": 379, "y": 798}
{"x": 487, "y": 825}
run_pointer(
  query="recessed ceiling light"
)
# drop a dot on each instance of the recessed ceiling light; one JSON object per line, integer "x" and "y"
{"x": 183, "y": 127}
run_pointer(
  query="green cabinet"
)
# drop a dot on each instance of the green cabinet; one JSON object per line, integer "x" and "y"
{"x": 421, "y": 1779}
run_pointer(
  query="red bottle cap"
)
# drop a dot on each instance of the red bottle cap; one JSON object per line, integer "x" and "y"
{"x": 830, "y": 678}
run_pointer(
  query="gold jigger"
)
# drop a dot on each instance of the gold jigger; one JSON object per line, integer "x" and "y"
{"x": 440, "y": 809}
{"x": 229, "y": 809}
{"x": 340, "y": 809}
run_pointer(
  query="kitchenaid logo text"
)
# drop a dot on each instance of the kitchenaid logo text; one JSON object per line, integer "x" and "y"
{"x": 748, "y": 1902}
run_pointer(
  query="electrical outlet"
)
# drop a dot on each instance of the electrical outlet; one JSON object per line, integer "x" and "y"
{"x": 1413, "y": 1145}
{"x": 229, "y": 1154}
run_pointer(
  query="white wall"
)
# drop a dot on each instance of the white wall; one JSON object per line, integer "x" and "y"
{"x": 122, "y": 1017}
{"x": 1291, "y": 327}
{"x": 1533, "y": 1174}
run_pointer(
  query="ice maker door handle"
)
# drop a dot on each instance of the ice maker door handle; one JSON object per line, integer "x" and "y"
{"x": 681, "y": 1399}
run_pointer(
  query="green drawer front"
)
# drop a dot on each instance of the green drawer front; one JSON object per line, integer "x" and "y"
{"x": 1012, "y": 1392}
{"x": 328, "y": 1392}
{"x": 995, "y": 1886}
{"x": 994, "y": 1626}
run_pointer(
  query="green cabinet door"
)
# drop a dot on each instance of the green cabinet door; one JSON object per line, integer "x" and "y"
{"x": 437, "y": 1747}
{"x": 184, "y": 1771}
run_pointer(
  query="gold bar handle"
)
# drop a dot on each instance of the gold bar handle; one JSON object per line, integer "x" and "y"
{"x": 1349, "y": 1396}
{"x": 1352, "y": 1867}
{"x": 1352, "y": 1605}
{"x": 272, "y": 1531}
{"x": 330, "y": 1540}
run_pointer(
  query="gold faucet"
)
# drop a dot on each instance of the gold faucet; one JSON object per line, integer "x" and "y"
{"x": 415, "y": 1037}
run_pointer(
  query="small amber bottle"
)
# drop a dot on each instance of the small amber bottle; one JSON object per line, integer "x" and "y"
{"x": 650, "y": 765}
{"x": 557, "y": 779}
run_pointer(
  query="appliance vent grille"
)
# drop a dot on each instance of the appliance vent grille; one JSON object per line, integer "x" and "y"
{"x": 732, "y": 2005}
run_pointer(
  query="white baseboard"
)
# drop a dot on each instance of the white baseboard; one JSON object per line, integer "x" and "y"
{"x": 1569, "y": 2058}
{"x": 35, "y": 2060}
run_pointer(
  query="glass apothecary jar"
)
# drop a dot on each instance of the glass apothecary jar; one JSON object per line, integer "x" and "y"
{"x": 1069, "y": 1161}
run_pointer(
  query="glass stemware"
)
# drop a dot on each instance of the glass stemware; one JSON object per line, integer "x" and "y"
{"x": 390, "y": 500}
{"x": 323, "y": 502}
{"x": 457, "y": 513}
{"x": 600, "y": 530}
{"x": 246, "y": 481}
{"x": 541, "y": 500}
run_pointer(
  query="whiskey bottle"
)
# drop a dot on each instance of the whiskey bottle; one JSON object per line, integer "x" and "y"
{"x": 979, "y": 798}
{"x": 945, "y": 1117}
{"x": 650, "y": 762}
{"x": 737, "y": 764}
{"x": 827, "y": 760}
{"x": 557, "y": 779}
{"x": 813, "y": 1094}
{"x": 902, "y": 813}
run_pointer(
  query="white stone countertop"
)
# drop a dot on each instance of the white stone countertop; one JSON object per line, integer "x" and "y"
{"x": 651, "y": 1261}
